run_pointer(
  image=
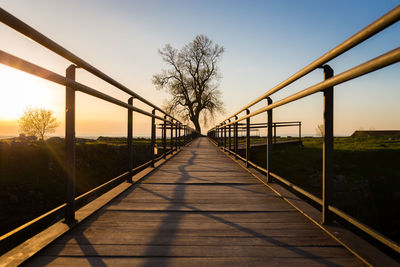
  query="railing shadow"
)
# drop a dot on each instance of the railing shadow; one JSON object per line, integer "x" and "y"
{"x": 165, "y": 225}
{"x": 170, "y": 224}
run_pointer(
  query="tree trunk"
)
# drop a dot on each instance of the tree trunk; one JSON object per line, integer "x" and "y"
{"x": 196, "y": 123}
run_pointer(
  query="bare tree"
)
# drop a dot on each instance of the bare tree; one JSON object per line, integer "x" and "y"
{"x": 320, "y": 130}
{"x": 38, "y": 122}
{"x": 192, "y": 80}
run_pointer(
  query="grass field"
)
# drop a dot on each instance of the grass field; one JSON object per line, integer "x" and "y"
{"x": 366, "y": 175}
{"x": 32, "y": 179}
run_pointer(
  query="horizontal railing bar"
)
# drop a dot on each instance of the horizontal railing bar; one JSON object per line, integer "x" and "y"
{"x": 296, "y": 188}
{"x": 14, "y": 236}
{"x": 36, "y": 36}
{"x": 104, "y": 186}
{"x": 26, "y": 66}
{"x": 368, "y": 230}
{"x": 283, "y": 180}
{"x": 266, "y": 126}
{"x": 379, "y": 62}
{"x": 26, "y": 230}
{"x": 378, "y": 25}
{"x": 257, "y": 125}
{"x": 279, "y": 122}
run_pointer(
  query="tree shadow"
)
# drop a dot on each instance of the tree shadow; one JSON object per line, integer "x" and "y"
{"x": 171, "y": 224}
{"x": 172, "y": 227}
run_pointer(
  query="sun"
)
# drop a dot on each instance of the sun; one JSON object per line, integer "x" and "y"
{"x": 19, "y": 90}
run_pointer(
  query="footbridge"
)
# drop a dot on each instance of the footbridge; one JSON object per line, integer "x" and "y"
{"x": 198, "y": 201}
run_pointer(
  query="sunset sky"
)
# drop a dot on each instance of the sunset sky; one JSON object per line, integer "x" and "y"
{"x": 265, "y": 43}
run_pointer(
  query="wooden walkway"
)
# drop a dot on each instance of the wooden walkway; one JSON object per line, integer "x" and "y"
{"x": 198, "y": 209}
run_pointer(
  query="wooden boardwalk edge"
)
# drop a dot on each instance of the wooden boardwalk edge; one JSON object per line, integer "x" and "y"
{"x": 32, "y": 246}
{"x": 362, "y": 249}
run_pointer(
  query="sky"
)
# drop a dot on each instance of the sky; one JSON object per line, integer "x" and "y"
{"x": 265, "y": 42}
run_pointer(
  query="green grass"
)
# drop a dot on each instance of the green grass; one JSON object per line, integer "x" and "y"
{"x": 366, "y": 180}
{"x": 32, "y": 179}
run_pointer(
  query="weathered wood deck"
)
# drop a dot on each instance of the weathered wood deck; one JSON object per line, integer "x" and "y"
{"x": 199, "y": 209}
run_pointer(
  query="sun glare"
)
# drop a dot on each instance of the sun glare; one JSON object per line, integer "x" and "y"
{"x": 19, "y": 90}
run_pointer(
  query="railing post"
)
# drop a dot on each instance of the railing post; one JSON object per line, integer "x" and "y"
{"x": 224, "y": 135}
{"x": 172, "y": 136}
{"x": 176, "y": 136}
{"x": 327, "y": 165}
{"x": 216, "y": 134}
{"x": 180, "y": 145}
{"x": 235, "y": 129}
{"x": 153, "y": 137}
{"x": 70, "y": 146}
{"x": 247, "y": 138}
{"x": 229, "y": 136}
{"x": 269, "y": 141}
{"x": 129, "y": 141}
{"x": 221, "y": 138}
{"x": 184, "y": 135}
{"x": 219, "y": 135}
{"x": 274, "y": 125}
{"x": 165, "y": 137}
{"x": 299, "y": 131}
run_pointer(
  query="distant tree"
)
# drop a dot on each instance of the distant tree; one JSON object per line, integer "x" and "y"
{"x": 192, "y": 80}
{"x": 320, "y": 130}
{"x": 38, "y": 122}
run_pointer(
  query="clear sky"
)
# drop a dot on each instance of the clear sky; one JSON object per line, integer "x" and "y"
{"x": 265, "y": 43}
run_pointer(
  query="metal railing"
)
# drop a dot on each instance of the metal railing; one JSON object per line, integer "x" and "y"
{"x": 180, "y": 134}
{"x": 328, "y": 209}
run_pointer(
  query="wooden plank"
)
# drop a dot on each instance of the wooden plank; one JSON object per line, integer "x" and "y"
{"x": 128, "y": 250}
{"x": 205, "y": 188}
{"x": 183, "y": 240}
{"x": 182, "y": 217}
{"x": 200, "y": 209}
{"x": 192, "y": 261}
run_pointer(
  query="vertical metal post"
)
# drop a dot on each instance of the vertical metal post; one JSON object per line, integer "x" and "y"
{"x": 224, "y": 140}
{"x": 219, "y": 135}
{"x": 153, "y": 137}
{"x": 184, "y": 135}
{"x": 327, "y": 159}
{"x": 235, "y": 129}
{"x": 269, "y": 142}
{"x": 180, "y": 126}
{"x": 216, "y": 135}
{"x": 176, "y": 136}
{"x": 221, "y": 138}
{"x": 274, "y": 133}
{"x": 229, "y": 136}
{"x": 129, "y": 141}
{"x": 70, "y": 146}
{"x": 225, "y": 136}
{"x": 172, "y": 136}
{"x": 165, "y": 137}
{"x": 300, "y": 131}
{"x": 247, "y": 138}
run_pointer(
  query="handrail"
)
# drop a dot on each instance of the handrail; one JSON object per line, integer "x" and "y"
{"x": 379, "y": 62}
{"x": 219, "y": 132}
{"x": 378, "y": 25}
{"x": 71, "y": 86}
{"x": 38, "y": 37}
{"x": 26, "y": 66}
